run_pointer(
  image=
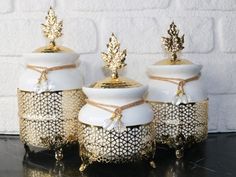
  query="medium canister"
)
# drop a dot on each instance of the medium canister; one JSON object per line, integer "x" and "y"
{"x": 115, "y": 126}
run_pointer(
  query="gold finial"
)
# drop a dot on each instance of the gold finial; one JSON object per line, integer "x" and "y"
{"x": 114, "y": 58}
{"x": 173, "y": 44}
{"x": 52, "y": 29}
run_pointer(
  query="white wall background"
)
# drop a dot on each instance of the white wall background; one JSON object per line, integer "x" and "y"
{"x": 209, "y": 27}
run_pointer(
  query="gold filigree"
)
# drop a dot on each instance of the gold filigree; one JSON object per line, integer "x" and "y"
{"x": 52, "y": 29}
{"x": 49, "y": 120}
{"x": 182, "y": 125}
{"x": 173, "y": 44}
{"x": 100, "y": 145}
{"x": 114, "y": 58}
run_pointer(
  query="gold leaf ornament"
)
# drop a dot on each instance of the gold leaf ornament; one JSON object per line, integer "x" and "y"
{"x": 174, "y": 43}
{"x": 52, "y": 29}
{"x": 114, "y": 58}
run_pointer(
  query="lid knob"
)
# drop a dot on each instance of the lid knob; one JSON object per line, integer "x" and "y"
{"x": 114, "y": 58}
{"x": 174, "y": 43}
{"x": 52, "y": 29}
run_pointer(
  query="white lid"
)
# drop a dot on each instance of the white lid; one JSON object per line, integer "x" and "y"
{"x": 137, "y": 115}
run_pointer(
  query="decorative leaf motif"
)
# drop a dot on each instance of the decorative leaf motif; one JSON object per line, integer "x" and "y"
{"x": 115, "y": 58}
{"x": 173, "y": 44}
{"x": 52, "y": 29}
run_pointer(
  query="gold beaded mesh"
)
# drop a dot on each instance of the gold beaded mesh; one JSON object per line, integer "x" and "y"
{"x": 46, "y": 116}
{"x": 187, "y": 120}
{"x": 98, "y": 144}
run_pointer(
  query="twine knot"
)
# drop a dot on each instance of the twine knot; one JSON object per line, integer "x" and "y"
{"x": 43, "y": 77}
{"x": 115, "y": 121}
{"x": 180, "y": 96}
{"x": 42, "y": 83}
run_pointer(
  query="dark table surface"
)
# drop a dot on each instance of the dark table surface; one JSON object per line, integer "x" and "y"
{"x": 215, "y": 157}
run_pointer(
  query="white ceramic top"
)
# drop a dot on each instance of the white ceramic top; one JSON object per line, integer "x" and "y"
{"x": 178, "y": 71}
{"x": 65, "y": 79}
{"x": 50, "y": 59}
{"x": 164, "y": 91}
{"x": 137, "y": 115}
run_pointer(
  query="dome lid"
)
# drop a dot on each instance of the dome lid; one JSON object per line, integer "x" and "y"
{"x": 114, "y": 60}
{"x": 173, "y": 44}
{"x": 52, "y": 29}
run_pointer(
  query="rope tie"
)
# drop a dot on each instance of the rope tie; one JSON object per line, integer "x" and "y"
{"x": 115, "y": 121}
{"x": 180, "y": 96}
{"x": 42, "y": 83}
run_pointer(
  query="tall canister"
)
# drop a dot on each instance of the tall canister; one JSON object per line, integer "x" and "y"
{"x": 50, "y": 94}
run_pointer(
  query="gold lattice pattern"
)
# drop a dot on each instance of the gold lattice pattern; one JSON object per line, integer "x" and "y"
{"x": 98, "y": 144}
{"x": 49, "y": 117}
{"x": 188, "y": 122}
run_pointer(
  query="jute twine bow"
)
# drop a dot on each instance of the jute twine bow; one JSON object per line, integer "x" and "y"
{"x": 45, "y": 70}
{"x": 179, "y": 82}
{"x": 115, "y": 120}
